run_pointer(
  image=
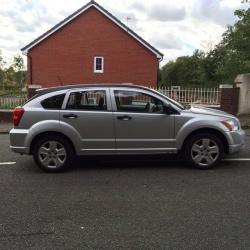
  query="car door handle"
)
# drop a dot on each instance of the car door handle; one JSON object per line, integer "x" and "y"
{"x": 70, "y": 116}
{"x": 124, "y": 118}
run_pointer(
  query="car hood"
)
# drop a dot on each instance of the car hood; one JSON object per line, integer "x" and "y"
{"x": 209, "y": 111}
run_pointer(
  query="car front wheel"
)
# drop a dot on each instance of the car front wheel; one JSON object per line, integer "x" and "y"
{"x": 204, "y": 151}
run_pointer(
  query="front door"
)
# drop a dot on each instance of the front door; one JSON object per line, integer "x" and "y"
{"x": 141, "y": 124}
{"x": 88, "y": 112}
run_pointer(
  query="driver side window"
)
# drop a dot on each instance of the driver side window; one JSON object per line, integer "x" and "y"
{"x": 134, "y": 101}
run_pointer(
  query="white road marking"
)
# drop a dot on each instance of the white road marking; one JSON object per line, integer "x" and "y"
{"x": 237, "y": 159}
{"x": 227, "y": 159}
{"x": 7, "y": 163}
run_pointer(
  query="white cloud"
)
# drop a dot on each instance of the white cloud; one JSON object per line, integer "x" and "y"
{"x": 166, "y": 12}
{"x": 176, "y": 28}
{"x": 167, "y": 41}
{"x": 214, "y": 11}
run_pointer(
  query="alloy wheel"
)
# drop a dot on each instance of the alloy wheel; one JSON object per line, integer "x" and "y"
{"x": 52, "y": 154}
{"x": 205, "y": 152}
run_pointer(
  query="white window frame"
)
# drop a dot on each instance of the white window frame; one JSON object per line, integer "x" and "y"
{"x": 95, "y": 70}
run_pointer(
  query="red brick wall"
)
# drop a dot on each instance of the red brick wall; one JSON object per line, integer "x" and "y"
{"x": 230, "y": 100}
{"x": 68, "y": 55}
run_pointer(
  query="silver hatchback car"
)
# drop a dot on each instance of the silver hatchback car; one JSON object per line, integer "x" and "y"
{"x": 110, "y": 119}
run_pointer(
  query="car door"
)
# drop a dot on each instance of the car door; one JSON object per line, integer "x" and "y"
{"x": 88, "y": 112}
{"x": 141, "y": 123}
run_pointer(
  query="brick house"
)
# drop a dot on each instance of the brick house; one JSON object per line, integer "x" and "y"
{"x": 91, "y": 46}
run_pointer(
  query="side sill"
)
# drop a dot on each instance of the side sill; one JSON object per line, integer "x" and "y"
{"x": 129, "y": 151}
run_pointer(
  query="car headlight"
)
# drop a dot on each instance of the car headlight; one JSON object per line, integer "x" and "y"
{"x": 231, "y": 124}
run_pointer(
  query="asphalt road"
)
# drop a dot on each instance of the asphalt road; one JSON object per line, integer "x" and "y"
{"x": 124, "y": 203}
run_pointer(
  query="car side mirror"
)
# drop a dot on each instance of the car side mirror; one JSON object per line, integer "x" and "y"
{"x": 168, "y": 109}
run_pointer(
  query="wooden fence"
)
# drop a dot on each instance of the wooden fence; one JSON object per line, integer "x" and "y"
{"x": 10, "y": 102}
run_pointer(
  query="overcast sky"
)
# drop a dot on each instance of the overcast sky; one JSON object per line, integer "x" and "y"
{"x": 175, "y": 27}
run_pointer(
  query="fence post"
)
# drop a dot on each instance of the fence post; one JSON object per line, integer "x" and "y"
{"x": 243, "y": 83}
{"x": 229, "y": 98}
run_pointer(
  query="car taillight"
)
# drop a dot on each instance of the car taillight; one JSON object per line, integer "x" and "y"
{"x": 17, "y": 115}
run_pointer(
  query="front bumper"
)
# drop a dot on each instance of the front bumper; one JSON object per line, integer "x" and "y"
{"x": 236, "y": 141}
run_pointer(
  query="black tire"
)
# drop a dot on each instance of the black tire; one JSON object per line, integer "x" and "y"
{"x": 62, "y": 143}
{"x": 215, "y": 144}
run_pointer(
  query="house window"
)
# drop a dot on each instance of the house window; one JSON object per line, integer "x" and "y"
{"x": 99, "y": 64}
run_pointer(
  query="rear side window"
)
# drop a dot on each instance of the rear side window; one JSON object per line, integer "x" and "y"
{"x": 88, "y": 100}
{"x": 54, "y": 102}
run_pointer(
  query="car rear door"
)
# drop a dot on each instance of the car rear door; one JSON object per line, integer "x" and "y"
{"x": 88, "y": 112}
{"x": 141, "y": 124}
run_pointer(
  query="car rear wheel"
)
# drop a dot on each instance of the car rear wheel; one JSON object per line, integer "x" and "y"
{"x": 204, "y": 151}
{"x": 52, "y": 153}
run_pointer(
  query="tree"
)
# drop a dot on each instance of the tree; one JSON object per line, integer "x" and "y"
{"x": 235, "y": 48}
{"x": 221, "y": 64}
{"x": 10, "y": 76}
{"x": 18, "y": 66}
{"x": 2, "y": 73}
{"x": 185, "y": 70}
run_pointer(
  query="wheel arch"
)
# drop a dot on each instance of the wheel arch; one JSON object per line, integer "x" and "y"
{"x": 51, "y": 133}
{"x": 207, "y": 130}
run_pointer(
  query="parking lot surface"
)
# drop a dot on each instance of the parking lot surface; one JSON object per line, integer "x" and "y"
{"x": 124, "y": 203}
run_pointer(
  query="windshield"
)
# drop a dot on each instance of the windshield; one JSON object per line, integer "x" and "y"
{"x": 169, "y": 99}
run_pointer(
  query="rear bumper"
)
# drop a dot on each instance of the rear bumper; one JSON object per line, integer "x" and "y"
{"x": 20, "y": 150}
{"x": 18, "y": 141}
{"x": 236, "y": 141}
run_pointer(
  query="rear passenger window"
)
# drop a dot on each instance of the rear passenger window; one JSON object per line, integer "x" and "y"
{"x": 54, "y": 102}
{"x": 88, "y": 100}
